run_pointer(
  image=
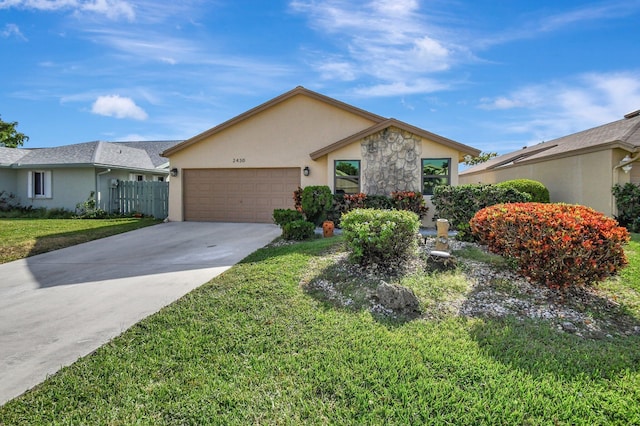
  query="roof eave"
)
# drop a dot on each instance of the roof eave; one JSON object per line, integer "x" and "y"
{"x": 89, "y": 165}
{"x": 391, "y": 122}
{"x": 587, "y": 150}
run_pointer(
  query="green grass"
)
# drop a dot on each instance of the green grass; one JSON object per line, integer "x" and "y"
{"x": 253, "y": 347}
{"x": 20, "y": 238}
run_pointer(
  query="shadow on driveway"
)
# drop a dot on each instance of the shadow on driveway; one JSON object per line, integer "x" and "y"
{"x": 59, "y": 306}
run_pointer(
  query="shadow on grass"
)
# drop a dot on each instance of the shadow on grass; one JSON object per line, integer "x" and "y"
{"x": 340, "y": 285}
{"x": 540, "y": 349}
{"x": 315, "y": 247}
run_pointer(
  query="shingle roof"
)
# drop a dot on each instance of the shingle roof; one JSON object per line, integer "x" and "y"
{"x": 133, "y": 155}
{"x": 11, "y": 155}
{"x": 623, "y": 133}
{"x": 153, "y": 148}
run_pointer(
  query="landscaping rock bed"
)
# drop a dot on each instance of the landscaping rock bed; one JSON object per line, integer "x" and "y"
{"x": 494, "y": 293}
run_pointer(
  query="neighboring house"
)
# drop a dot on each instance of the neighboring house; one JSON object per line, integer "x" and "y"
{"x": 577, "y": 169}
{"x": 244, "y": 168}
{"x": 64, "y": 176}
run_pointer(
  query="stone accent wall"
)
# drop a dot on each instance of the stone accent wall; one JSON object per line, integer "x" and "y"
{"x": 391, "y": 162}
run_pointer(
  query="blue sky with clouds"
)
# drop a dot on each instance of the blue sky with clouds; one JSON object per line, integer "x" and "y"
{"x": 496, "y": 75}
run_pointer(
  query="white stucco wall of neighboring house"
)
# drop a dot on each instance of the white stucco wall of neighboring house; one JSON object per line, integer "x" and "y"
{"x": 68, "y": 187}
{"x": 8, "y": 181}
{"x": 584, "y": 179}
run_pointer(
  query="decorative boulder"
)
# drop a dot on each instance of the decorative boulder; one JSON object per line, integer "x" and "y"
{"x": 399, "y": 299}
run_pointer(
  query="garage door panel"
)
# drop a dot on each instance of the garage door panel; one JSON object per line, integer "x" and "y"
{"x": 238, "y": 195}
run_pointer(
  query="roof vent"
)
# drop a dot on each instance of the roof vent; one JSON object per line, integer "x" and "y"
{"x": 632, "y": 114}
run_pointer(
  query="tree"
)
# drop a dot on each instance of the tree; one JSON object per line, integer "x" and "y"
{"x": 484, "y": 156}
{"x": 9, "y": 136}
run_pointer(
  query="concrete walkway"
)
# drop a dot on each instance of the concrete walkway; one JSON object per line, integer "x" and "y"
{"x": 59, "y": 306}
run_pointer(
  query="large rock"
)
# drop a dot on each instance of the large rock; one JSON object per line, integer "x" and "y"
{"x": 399, "y": 299}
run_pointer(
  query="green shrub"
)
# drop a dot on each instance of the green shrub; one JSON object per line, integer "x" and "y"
{"x": 283, "y": 216}
{"x": 89, "y": 210}
{"x": 558, "y": 245}
{"x": 381, "y": 202}
{"x": 539, "y": 193}
{"x": 458, "y": 204}
{"x": 316, "y": 203}
{"x": 410, "y": 201}
{"x": 298, "y": 230}
{"x": 386, "y": 238}
{"x": 628, "y": 205}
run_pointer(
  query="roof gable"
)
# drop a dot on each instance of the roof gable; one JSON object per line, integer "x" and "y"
{"x": 298, "y": 91}
{"x": 395, "y": 123}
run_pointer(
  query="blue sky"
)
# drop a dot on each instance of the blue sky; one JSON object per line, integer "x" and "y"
{"x": 496, "y": 75}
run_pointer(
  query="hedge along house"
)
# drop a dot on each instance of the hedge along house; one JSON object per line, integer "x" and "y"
{"x": 580, "y": 168}
{"x": 244, "y": 168}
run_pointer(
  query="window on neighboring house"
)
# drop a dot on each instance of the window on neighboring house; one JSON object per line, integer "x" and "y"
{"x": 159, "y": 178}
{"x": 435, "y": 172}
{"x": 347, "y": 176}
{"x": 39, "y": 184}
{"x": 138, "y": 178}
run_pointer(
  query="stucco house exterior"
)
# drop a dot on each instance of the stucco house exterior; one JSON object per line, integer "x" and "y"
{"x": 64, "y": 176}
{"x": 580, "y": 168}
{"x": 244, "y": 168}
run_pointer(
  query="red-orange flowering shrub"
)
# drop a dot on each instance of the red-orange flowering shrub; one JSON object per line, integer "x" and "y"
{"x": 411, "y": 201}
{"x": 354, "y": 201}
{"x": 559, "y": 245}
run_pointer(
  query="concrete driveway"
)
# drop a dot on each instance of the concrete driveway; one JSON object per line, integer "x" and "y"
{"x": 62, "y": 305}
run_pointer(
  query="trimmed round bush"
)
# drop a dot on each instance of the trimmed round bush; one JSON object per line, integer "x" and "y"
{"x": 539, "y": 193}
{"x": 283, "y": 216}
{"x": 316, "y": 203}
{"x": 386, "y": 238}
{"x": 298, "y": 230}
{"x": 558, "y": 245}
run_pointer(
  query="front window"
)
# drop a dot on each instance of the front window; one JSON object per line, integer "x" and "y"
{"x": 435, "y": 172}
{"x": 347, "y": 176}
{"x": 39, "y": 185}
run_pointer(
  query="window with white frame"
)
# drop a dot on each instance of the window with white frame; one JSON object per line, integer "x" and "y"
{"x": 39, "y": 184}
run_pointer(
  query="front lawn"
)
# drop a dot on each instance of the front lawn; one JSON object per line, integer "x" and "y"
{"x": 20, "y": 238}
{"x": 254, "y": 346}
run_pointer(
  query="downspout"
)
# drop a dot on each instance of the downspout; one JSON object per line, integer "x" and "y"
{"x": 615, "y": 178}
{"x": 98, "y": 194}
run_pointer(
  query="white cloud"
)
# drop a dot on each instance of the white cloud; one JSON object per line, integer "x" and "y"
{"x": 12, "y": 30}
{"x": 118, "y": 107}
{"x": 560, "y": 108}
{"x": 388, "y": 42}
{"x": 112, "y": 9}
{"x": 401, "y": 88}
{"x": 546, "y": 23}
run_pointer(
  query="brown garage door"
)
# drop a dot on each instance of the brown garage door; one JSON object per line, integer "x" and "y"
{"x": 238, "y": 195}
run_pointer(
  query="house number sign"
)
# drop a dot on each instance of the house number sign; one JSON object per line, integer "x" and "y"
{"x": 239, "y": 160}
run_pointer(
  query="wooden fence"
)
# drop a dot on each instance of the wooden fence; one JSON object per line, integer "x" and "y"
{"x": 148, "y": 198}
